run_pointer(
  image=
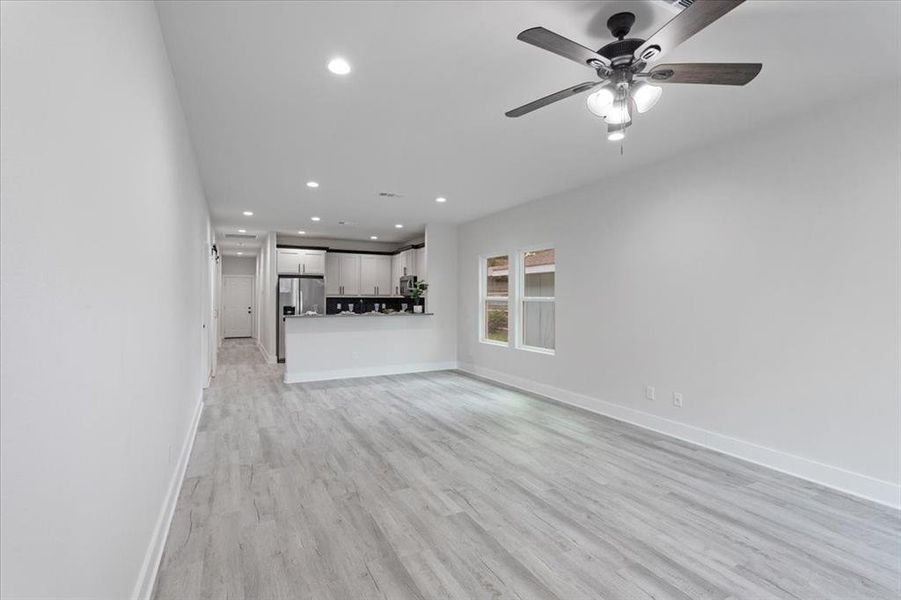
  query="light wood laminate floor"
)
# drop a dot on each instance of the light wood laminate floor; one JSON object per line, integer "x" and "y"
{"x": 442, "y": 486}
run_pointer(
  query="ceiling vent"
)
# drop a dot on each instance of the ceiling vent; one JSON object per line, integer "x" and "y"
{"x": 389, "y": 195}
{"x": 240, "y": 236}
{"x": 346, "y": 223}
{"x": 677, "y": 6}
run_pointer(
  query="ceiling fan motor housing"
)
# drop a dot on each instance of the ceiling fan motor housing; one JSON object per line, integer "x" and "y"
{"x": 620, "y": 52}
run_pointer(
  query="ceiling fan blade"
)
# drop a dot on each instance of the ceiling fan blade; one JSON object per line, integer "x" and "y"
{"x": 552, "y": 42}
{"x": 535, "y": 105}
{"x": 708, "y": 73}
{"x": 684, "y": 25}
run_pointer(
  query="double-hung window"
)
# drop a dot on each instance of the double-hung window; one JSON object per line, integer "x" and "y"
{"x": 536, "y": 285}
{"x": 495, "y": 292}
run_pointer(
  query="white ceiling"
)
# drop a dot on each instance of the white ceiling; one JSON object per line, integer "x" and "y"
{"x": 422, "y": 113}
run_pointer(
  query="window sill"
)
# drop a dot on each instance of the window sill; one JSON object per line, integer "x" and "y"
{"x": 494, "y": 343}
{"x": 547, "y": 351}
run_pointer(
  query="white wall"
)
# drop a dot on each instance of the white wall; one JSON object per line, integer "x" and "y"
{"x": 759, "y": 277}
{"x": 238, "y": 265}
{"x": 441, "y": 297}
{"x": 267, "y": 278}
{"x": 103, "y": 299}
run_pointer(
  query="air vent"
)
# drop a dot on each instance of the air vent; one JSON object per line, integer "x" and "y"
{"x": 677, "y": 6}
{"x": 389, "y": 195}
{"x": 240, "y": 236}
{"x": 346, "y": 223}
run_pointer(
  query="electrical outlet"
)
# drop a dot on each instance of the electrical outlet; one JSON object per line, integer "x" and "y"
{"x": 649, "y": 392}
{"x": 677, "y": 399}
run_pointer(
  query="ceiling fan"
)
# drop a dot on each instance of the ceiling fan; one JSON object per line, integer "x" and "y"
{"x": 622, "y": 81}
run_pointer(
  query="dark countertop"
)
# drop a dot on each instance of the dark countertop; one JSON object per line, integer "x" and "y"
{"x": 351, "y": 316}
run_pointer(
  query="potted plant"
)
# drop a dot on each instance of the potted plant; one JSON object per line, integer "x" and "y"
{"x": 417, "y": 291}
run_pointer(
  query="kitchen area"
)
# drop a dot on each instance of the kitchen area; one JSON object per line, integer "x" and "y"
{"x": 339, "y": 300}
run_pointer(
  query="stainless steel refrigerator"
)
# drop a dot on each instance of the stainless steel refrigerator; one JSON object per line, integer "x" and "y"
{"x": 297, "y": 295}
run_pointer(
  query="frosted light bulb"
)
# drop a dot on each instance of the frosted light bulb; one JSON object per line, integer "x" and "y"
{"x": 599, "y": 103}
{"x": 645, "y": 96}
{"x": 618, "y": 113}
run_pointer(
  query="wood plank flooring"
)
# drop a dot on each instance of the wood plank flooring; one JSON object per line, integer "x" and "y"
{"x": 442, "y": 486}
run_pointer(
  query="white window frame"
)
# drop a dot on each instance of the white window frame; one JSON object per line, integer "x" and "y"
{"x": 521, "y": 299}
{"x": 484, "y": 298}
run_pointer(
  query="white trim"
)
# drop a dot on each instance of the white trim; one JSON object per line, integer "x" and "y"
{"x": 266, "y": 356}
{"x": 147, "y": 577}
{"x": 368, "y": 371}
{"x": 484, "y": 299}
{"x": 537, "y": 350}
{"x": 521, "y": 298}
{"x": 497, "y": 343}
{"x": 856, "y": 484}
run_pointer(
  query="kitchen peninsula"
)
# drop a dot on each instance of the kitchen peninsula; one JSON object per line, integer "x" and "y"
{"x": 336, "y": 346}
{"x": 359, "y": 315}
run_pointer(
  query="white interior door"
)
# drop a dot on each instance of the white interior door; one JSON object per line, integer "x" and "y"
{"x": 237, "y": 304}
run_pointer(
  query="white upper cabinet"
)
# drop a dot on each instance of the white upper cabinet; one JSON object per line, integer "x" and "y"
{"x": 291, "y": 261}
{"x": 288, "y": 261}
{"x": 384, "y": 285}
{"x": 397, "y": 271}
{"x": 349, "y": 273}
{"x": 332, "y": 275}
{"x": 342, "y": 274}
{"x": 375, "y": 275}
{"x": 404, "y": 265}
{"x": 368, "y": 274}
{"x": 419, "y": 263}
{"x": 312, "y": 262}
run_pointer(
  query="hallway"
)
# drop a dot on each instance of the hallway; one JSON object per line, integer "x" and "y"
{"x": 442, "y": 486}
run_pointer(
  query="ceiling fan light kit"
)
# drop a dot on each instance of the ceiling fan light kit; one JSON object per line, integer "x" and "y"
{"x": 623, "y": 86}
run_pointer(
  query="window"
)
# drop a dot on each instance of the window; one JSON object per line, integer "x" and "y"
{"x": 495, "y": 321}
{"x": 536, "y": 306}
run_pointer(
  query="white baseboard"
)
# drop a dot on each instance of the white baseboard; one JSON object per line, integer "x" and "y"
{"x": 266, "y": 356}
{"x": 856, "y": 484}
{"x": 368, "y": 371}
{"x": 147, "y": 577}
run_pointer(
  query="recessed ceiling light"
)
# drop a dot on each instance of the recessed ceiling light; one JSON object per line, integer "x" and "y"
{"x": 399, "y": 226}
{"x": 240, "y": 253}
{"x": 242, "y": 231}
{"x": 312, "y": 184}
{"x": 441, "y": 199}
{"x": 315, "y": 219}
{"x": 373, "y": 237}
{"x": 302, "y": 232}
{"x": 339, "y": 66}
{"x": 248, "y": 213}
